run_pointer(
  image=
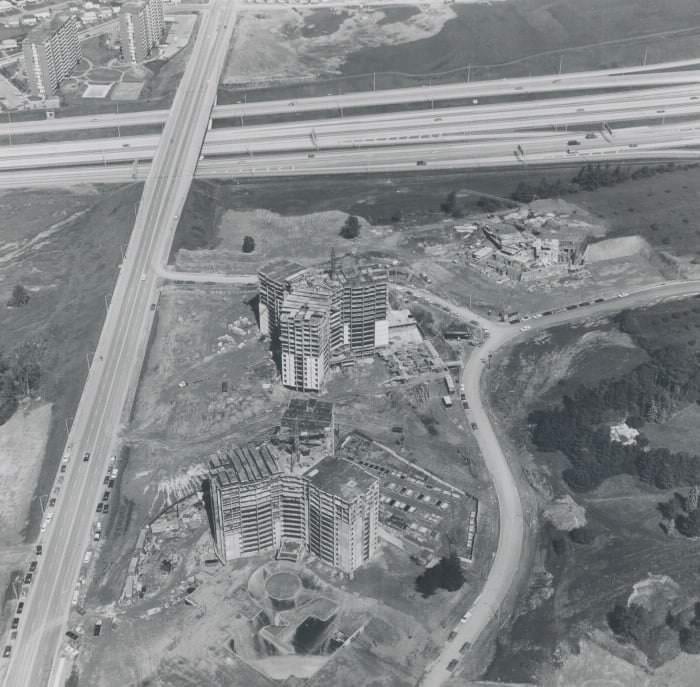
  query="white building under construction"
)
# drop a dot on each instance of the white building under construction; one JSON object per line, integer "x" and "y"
{"x": 331, "y": 510}
{"x": 323, "y": 316}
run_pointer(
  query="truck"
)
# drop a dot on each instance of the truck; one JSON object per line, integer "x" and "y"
{"x": 447, "y": 401}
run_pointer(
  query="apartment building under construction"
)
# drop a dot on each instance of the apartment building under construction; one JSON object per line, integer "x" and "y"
{"x": 332, "y": 510}
{"x": 323, "y": 316}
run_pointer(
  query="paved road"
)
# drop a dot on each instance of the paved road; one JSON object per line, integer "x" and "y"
{"x": 118, "y": 358}
{"x": 510, "y": 512}
{"x": 506, "y": 123}
{"x": 588, "y": 81}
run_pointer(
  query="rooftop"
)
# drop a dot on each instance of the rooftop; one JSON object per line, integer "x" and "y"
{"x": 308, "y": 413}
{"x": 242, "y": 464}
{"x": 305, "y": 306}
{"x": 281, "y": 269}
{"x": 45, "y": 30}
{"x": 341, "y": 478}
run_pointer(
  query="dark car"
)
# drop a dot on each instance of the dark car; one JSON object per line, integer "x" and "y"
{"x": 39, "y": 549}
{"x": 28, "y": 578}
{"x": 421, "y": 163}
{"x": 7, "y": 652}
{"x": 15, "y": 623}
{"x": 105, "y": 481}
{"x": 111, "y": 484}
{"x": 573, "y": 142}
{"x": 452, "y": 664}
{"x": 475, "y": 426}
{"x": 599, "y": 300}
{"x": 98, "y": 628}
{"x": 451, "y": 636}
{"x": 105, "y": 496}
{"x": 105, "y": 510}
{"x": 52, "y": 502}
{"x": 63, "y": 467}
{"x": 72, "y": 635}
{"x": 20, "y": 607}
{"x": 100, "y": 507}
{"x": 32, "y": 566}
{"x": 86, "y": 456}
{"x": 466, "y": 646}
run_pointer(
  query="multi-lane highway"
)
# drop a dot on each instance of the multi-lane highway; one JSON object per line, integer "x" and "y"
{"x": 507, "y": 123}
{"x": 118, "y": 357}
{"x": 603, "y": 80}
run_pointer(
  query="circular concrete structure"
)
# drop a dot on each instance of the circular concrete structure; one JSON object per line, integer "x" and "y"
{"x": 283, "y": 586}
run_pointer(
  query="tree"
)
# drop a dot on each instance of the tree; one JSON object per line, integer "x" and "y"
{"x": 446, "y": 574}
{"x": 351, "y": 228}
{"x": 582, "y": 535}
{"x": 20, "y": 297}
{"x": 248, "y": 244}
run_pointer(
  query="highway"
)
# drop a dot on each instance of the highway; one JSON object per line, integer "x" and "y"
{"x": 441, "y": 93}
{"x": 114, "y": 372}
{"x": 504, "y": 569}
{"x": 509, "y": 123}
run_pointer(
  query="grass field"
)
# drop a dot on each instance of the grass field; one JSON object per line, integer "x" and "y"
{"x": 64, "y": 246}
{"x": 589, "y": 579}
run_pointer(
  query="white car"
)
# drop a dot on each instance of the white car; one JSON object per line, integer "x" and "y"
{"x": 526, "y": 328}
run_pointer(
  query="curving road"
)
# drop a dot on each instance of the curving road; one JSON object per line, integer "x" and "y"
{"x": 510, "y": 511}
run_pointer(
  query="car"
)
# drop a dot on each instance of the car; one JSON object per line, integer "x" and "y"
{"x": 465, "y": 647}
{"x": 72, "y": 635}
{"x": 451, "y": 636}
{"x": 153, "y": 306}
{"x": 86, "y": 456}
{"x": 52, "y": 502}
{"x": 452, "y": 664}
{"x": 39, "y": 549}
{"x": 97, "y": 629}
{"x": 475, "y": 426}
{"x": 105, "y": 496}
{"x": 32, "y": 566}
{"x": 526, "y": 328}
{"x": 633, "y": 145}
{"x": 105, "y": 510}
{"x": 28, "y": 578}
{"x": 111, "y": 484}
{"x": 465, "y": 405}
{"x": 573, "y": 142}
{"x": 8, "y": 650}
{"x": 105, "y": 481}
{"x": 599, "y": 300}
{"x": 20, "y": 607}
{"x": 143, "y": 277}
{"x": 63, "y": 467}
{"x": 311, "y": 155}
{"x": 622, "y": 294}
{"x": 591, "y": 134}
{"x": 421, "y": 163}
{"x": 100, "y": 507}
{"x": 15, "y": 623}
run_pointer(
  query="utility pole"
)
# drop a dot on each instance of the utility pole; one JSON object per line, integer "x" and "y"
{"x": 644, "y": 59}
{"x": 561, "y": 63}
{"x": 374, "y": 81}
{"x": 469, "y": 73}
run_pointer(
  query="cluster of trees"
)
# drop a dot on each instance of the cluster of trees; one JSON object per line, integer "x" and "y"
{"x": 248, "y": 244}
{"x": 579, "y": 427}
{"x": 451, "y": 206}
{"x": 20, "y": 374}
{"x": 351, "y": 228}
{"x": 446, "y": 574}
{"x": 589, "y": 178}
{"x": 648, "y": 630}
{"x": 20, "y": 297}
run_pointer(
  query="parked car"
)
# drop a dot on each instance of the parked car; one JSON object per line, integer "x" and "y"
{"x": 72, "y": 635}
{"x": 39, "y": 549}
{"x": 15, "y": 623}
{"x": 100, "y": 507}
{"x": 452, "y": 664}
{"x": 8, "y": 650}
{"x": 451, "y": 636}
{"x": 475, "y": 426}
{"x": 32, "y": 566}
{"x": 20, "y": 607}
{"x": 86, "y": 456}
{"x": 28, "y": 578}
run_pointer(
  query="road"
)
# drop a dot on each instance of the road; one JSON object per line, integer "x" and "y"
{"x": 506, "y": 123}
{"x": 510, "y": 511}
{"x": 117, "y": 360}
{"x": 423, "y": 95}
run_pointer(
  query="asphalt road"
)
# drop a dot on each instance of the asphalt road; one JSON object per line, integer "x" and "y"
{"x": 615, "y": 79}
{"x": 510, "y": 512}
{"x": 507, "y": 123}
{"x": 117, "y": 360}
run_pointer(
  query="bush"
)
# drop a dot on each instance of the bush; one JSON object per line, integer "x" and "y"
{"x": 447, "y": 574}
{"x": 20, "y": 297}
{"x": 582, "y": 535}
{"x": 351, "y": 228}
{"x": 248, "y": 244}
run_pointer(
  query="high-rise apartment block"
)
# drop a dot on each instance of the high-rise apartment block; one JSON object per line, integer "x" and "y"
{"x": 322, "y": 316}
{"x": 331, "y": 510}
{"x": 342, "y": 513}
{"x": 141, "y": 25}
{"x": 51, "y": 51}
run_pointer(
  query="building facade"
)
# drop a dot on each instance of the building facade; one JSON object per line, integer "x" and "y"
{"x": 51, "y": 52}
{"x": 141, "y": 25}
{"x": 332, "y": 510}
{"x": 305, "y": 342}
{"x": 322, "y": 316}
